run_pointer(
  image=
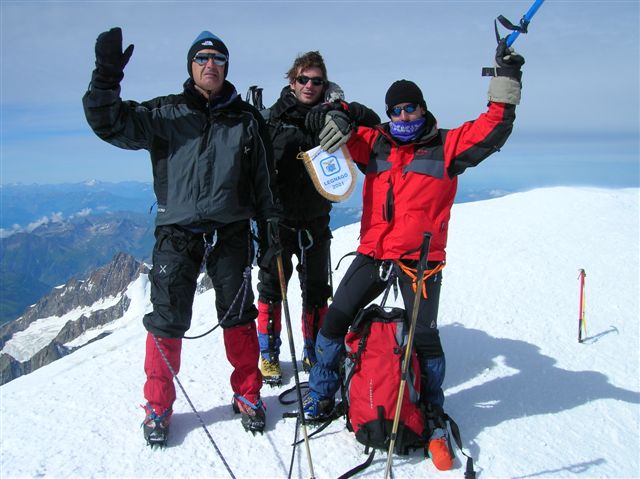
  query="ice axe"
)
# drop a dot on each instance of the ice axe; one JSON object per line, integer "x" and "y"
{"x": 582, "y": 322}
{"x": 516, "y": 30}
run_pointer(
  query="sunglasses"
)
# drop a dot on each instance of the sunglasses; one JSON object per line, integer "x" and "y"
{"x": 409, "y": 108}
{"x": 315, "y": 81}
{"x": 203, "y": 58}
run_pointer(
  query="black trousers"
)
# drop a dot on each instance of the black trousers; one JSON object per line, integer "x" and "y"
{"x": 362, "y": 284}
{"x": 313, "y": 274}
{"x": 177, "y": 258}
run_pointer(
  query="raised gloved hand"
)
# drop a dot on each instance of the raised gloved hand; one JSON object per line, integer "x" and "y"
{"x": 336, "y": 131}
{"x": 362, "y": 115}
{"x": 509, "y": 62}
{"x": 506, "y": 84}
{"x": 110, "y": 59}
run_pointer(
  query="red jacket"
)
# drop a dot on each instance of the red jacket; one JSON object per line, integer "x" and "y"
{"x": 409, "y": 188}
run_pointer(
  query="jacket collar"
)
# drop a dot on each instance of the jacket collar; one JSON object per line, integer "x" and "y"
{"x": 288, "y": 105}
{"x": 227, "y": 96}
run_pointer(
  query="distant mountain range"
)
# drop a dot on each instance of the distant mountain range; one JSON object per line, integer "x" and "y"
{"x": 52, "y": 233}
{"x": 34, "y": 262}
{"x": 72, "y": 309}
{"x": 26, "y": 206}
{"x": 77, "y": 313}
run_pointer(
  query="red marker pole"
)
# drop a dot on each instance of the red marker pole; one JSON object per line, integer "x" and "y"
{"x": 582, "y": 326}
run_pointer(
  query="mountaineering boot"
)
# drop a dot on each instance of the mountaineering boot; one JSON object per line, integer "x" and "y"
{"x": 252, "y": 413}
{"x": 311, "y": 323}
{"x": 156, "y": 427}
{"x": 324, "y": 378}
{"x": 316, "y": 407}
{"x": 439, "y": 449}
{"x": 269, "y": 327}
{"x": 271, "y": 372}
{"x": 159, "y": 390}
{"x": 241, "y": 345}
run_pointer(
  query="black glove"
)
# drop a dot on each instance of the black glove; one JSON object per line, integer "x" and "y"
{"x": 506, "y": 84}
{"x": 508, "y": 61}
{"x": 110, "y": 59}
{"x": 314, "y": 120}
{"x": 363, "y": 116}
{"x": 273, "y": 234}
{"x": 336, "y": 131}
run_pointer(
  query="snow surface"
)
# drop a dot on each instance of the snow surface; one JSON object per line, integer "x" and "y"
{"x": 531, "y": 401}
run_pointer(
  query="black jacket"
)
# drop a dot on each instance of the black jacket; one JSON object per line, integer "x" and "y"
{"x": 299, "y": 199}
{"x": 212, "y": 161}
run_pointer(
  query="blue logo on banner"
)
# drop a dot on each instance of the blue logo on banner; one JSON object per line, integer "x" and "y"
{"x": 330, "y": 165}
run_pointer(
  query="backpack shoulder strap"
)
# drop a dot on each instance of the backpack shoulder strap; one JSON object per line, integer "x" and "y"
{"x": 436, "y": 417}
{"x": 359, "y": 467}
{"x": 470, "y": 473}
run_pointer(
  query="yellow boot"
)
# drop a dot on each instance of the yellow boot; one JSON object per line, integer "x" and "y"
{"x": 271, "y": 372}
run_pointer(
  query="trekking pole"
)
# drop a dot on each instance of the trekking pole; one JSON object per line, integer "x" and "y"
{"x": 581, "y": 313}
{"x": 274, "y": 238}
{"x": 421, "y": 268}
{"x": 254, "y": 97}
{"x": 330, "y": 275}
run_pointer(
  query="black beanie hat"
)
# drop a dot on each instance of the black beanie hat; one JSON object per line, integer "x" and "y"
{"x": 403, "y": 91}
{"x": 202, "y": 42}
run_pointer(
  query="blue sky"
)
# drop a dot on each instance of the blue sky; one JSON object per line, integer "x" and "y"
{"x": 578, "y": 122}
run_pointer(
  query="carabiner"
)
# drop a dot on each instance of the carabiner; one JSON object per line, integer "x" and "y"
{"x": 386, "y": 268}
{"x": 309, "y": 238}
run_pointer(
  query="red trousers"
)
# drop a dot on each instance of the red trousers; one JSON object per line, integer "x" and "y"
{"x": 241, "y": 346}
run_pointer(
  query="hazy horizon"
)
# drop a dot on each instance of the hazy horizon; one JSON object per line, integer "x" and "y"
{"x": 578, "y": 122}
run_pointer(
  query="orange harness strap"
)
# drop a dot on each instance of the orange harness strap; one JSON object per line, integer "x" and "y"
{"x": 413, "y": 274}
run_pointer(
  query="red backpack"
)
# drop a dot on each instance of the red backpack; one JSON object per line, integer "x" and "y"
{"x": 373, "y": 369}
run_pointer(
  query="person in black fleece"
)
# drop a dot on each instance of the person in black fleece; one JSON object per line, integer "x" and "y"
{"x": 304, "y": 226}
{"x": 212, "y": 169}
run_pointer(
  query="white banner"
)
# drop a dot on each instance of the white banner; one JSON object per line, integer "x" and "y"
{"x": 333, "y": 174}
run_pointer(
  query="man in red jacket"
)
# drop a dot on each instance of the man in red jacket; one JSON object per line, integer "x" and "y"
{"x": 411, "y": 168}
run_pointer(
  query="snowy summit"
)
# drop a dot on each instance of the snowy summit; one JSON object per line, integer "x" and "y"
{"x": 530, "y": 400}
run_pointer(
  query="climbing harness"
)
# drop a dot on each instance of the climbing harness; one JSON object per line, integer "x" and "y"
{"x": 412, "y": 274}
{"x": 244, "y": 287}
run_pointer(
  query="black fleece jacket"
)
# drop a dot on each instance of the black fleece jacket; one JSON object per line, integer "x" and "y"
{"x": 299, "y": 199}
{"x": 212, "y": 160}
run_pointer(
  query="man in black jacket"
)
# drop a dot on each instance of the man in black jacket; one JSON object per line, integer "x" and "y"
{"x": 304, "y": 228}
{"x": 212, "y": 168}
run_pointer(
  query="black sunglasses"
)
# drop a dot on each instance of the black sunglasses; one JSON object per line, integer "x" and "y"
{"x": 409, "y": 108}
{"x": 315, "y": 81}
{"x": 203, "y": 58}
